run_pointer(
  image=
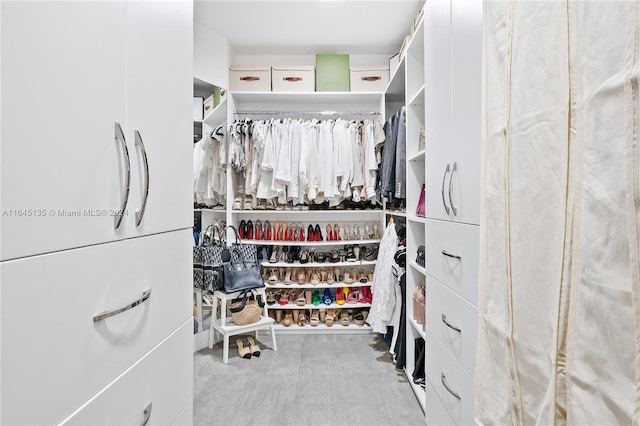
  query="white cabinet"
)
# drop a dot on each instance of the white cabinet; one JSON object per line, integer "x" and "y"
{"x": 78, "y": 80}
{"x": 453, "y": 46}
{"x": 77, "y": 69}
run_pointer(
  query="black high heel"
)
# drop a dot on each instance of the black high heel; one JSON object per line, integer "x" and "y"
{"x": 310, "y": 233}
{"x": 241, "y": 229}
{"x": 248, "y": 231}
{"x": 317, "y": 233}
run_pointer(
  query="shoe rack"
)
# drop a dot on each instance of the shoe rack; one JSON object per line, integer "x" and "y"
{"x": 358, "y": 226}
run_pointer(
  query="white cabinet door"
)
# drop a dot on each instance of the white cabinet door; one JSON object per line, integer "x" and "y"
{"x": 437, "y": 33}
{"x": 466, "y": 54}
{"x": 63, "y": 88}
{"x": 50, "y": 337}
{"x": 159, "y": 104}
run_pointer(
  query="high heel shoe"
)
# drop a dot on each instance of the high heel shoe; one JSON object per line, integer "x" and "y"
{"x": 336, "y": 232}
{"x": 287, "y": 277}
{"x": 340, "y": 296}
{"x": 267, "y": 230}
{"x": 241, "y": 228}
{"x": 274, "y": 255}
{"x": 248, "y": 230}
{"x": 317, "y": 233}
{"x": 243, "y": 351}
{"x": 329, "y": 233}
{"x": 310, "y": 233}
{"x": 302, "y": 277}
{"x": 273, "y": 277}
{"x": 257, "y": 234}
{"x": 255, "y": 349}
{"x": 348, "y": 279}
{"x": 276, "y": 231}
{"x": 288, "y": 319}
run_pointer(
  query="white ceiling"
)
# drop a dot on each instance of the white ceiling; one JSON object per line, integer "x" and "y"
{"x": 302, "y": 27}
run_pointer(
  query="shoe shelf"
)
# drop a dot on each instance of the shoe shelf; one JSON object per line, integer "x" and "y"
{"x": 396, "y": 213}
{"x": 317, "y": 286}
{"x": 310, "y": 243}
{"x": 323, "y": 329}
{"x": 215, "y": 209}
{"x": 372, "y": 213}
{"x": 417, "y": 327}
{"x": 417, "y": 219}
{"x": 317, "y": 264}
{"x": 417, "y": 267}
{"x": 418, "y": 156}
{"x": 291, "y": 306}
{"x": 230, "y": 328}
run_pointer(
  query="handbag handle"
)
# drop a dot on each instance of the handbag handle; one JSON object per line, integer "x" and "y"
{"x": 247, "y": 294}
{"x": 235, "y": 231}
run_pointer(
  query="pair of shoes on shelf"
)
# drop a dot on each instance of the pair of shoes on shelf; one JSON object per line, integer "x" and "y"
{"x": 242, "y": 202}
{"x": 252, "y": 349}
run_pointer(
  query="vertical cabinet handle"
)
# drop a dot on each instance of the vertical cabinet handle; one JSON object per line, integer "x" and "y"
{"x": 140, "y": 211}
{"x": 119, "y": 136}
{"x": 453, "y": 208}
{"x": 444, "y": 383}
{"x": 444, "y": 178}
{"x": 147, "y": 415}
{"x": 444, "y": 320}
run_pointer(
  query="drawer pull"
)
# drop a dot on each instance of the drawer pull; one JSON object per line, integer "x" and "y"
{"x": 145, "y": 295}
{"x": 444, "y": 320}
{"x": 140, "y": 211}
{"x": 292, "y": 79}
{"x": 451, "y": 255}
{"x": 454, "y": 209}
{"x": 444, "y": 383}
{"x": 444, "y": 178}
{"x": 371, "y": 78}
{"x": 119, "y": 136}
{"x": 147, "y": 415}
{"x": 249, "y": 78}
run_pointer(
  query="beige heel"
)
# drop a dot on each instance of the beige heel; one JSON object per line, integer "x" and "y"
{"x": 243, "y": 352}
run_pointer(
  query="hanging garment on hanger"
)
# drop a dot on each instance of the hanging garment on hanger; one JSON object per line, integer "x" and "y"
{"x": 383, "y": 288}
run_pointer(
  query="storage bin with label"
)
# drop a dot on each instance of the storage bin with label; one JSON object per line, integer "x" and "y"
{"x": 369, "y": 79}
{"x": 332, "y": 73}
{"x": 250, "y": 79}
{"x": 293, "y": 79}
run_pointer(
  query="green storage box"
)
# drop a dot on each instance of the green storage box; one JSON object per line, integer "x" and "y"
{"x": 332, "y": 73}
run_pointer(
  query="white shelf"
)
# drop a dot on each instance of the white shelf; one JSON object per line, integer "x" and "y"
{"x": 418, "y": 156}
{"x": 418, "y": 98}
{"x": 417, "y": 327}
{"x": 373, "y": 213}
{"x": 318, "y": 265}
{"x": 221, "y": 209}
{"x": 396, "y": 213}
{"x": 421, "y": 394}
{"x": 417, "y": 267}
{"x": 292, "y": 306}
{"x": 395, "y": 88}
{"x": 218, "y": 115}
{"x": 287, "y": 99}
{"x": 318, "y": 286}
{"x": 310, "y": 243}
{"x": 323, "y": 329}
{"x": 413, "y": 218}
{"x": 230, "y": 328}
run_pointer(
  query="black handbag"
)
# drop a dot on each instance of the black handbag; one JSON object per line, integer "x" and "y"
{"x": 207, "y": 260}
{"x": 240, "y": 274}
{"x": 420, "y": 256}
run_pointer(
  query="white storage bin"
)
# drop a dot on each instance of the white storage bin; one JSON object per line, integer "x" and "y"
{"x": 250, "y": 79}
{"x": 293, "y": 79}
{"x": 208, "y": 105}
{"x": 369, "y": 79}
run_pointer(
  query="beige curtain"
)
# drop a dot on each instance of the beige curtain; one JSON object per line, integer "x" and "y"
{"x": 559, "y": 314}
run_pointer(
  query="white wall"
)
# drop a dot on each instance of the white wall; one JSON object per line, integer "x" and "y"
{"x": 211, "y": 54}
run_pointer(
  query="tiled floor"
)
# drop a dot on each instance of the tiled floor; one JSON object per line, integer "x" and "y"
{"x": 311, "y": 380}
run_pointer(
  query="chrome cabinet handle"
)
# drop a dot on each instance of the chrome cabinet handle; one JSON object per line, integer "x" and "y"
{"x": 442, "y": 379}
{"x": 147, "y": 415}
{"x": 119, "y": 136}
{"x": 444, "y": 320}
{"x": 453, "y": 208}
{"x": 103, "y": 315}
{"x": 140, "y": 211}
{"x": 451, "y": 255}
{"x": 444, "y": 178}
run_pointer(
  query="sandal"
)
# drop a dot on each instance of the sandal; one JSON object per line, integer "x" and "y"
{"x": 288, "y": 319}
{"x": 287, "y": 277}
{"x": 315, "y": 278}
{"x": 356, "y": 252}
{"x": 359, "y": 318}
{"x": 328, "y": 297}
{"x": 237, "y": 203}
{"x": 302, "y": 318}
{"x": 354, "y": 296}
{"x": 316, "y": 297}
{"x": 284, "y": 298}
{"x": 301, "y": 299}
{"x": 330, "y": 317}
{"x": 331, "y": 277}
{"x": 302, "y": 277}
{"x": 335, "y": 256}
{"x": 344, "y": 318}
{"x": 314, "y": 318}
{"x": 248, "y": 202}
{"x": 362, "y": 277}
{"x": 274, "y": 255}
{"x": 351, "y": 257}
{"x": 273, "y": 276}
{"x": 262, "y": 204}
{"x": 243, "y": 352}
{"x": 304, "y": 257}
{"x": 348, "y": 279}
{"x": 255, "y": 349}
{"x": 340, "y": 296}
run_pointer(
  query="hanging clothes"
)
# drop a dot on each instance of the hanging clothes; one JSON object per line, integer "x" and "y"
{"x": 383, "y": 287}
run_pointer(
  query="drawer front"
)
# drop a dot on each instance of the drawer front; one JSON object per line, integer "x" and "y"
{"x": 448, "y": 377}
{"x": 50, "y": 338}
{"x": 149, "y": 388}
{"x": 452, "y": 256}
{"x": 293, "y": 80}
{"x": 436, "y": 413}
{"x": 372, "y": 80}
{"x": 447, "y": 312}
{"x": 250, "y": 80}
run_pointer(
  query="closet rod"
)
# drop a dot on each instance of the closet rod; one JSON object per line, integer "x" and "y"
{"x": 307, "y": 112}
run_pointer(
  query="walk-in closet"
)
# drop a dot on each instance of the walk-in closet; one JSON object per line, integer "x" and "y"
{"x": 319, "y": 212}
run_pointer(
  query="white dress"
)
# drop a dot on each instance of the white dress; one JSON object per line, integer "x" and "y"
{"x": 383, "y": 287}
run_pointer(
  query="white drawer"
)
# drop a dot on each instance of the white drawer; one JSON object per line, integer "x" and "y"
{"x": 47, "y": 307}
{"x": 149, "y": 385}
{"x": 455, "y": 239}
{"x": 250, "y": 79}
{"x": 443, "y": 371}
{"x": 445, "y": 307}
{"x": 293, "y": 79}
{"x": 369, "y": 79}
{"x": 435, "y": 411}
